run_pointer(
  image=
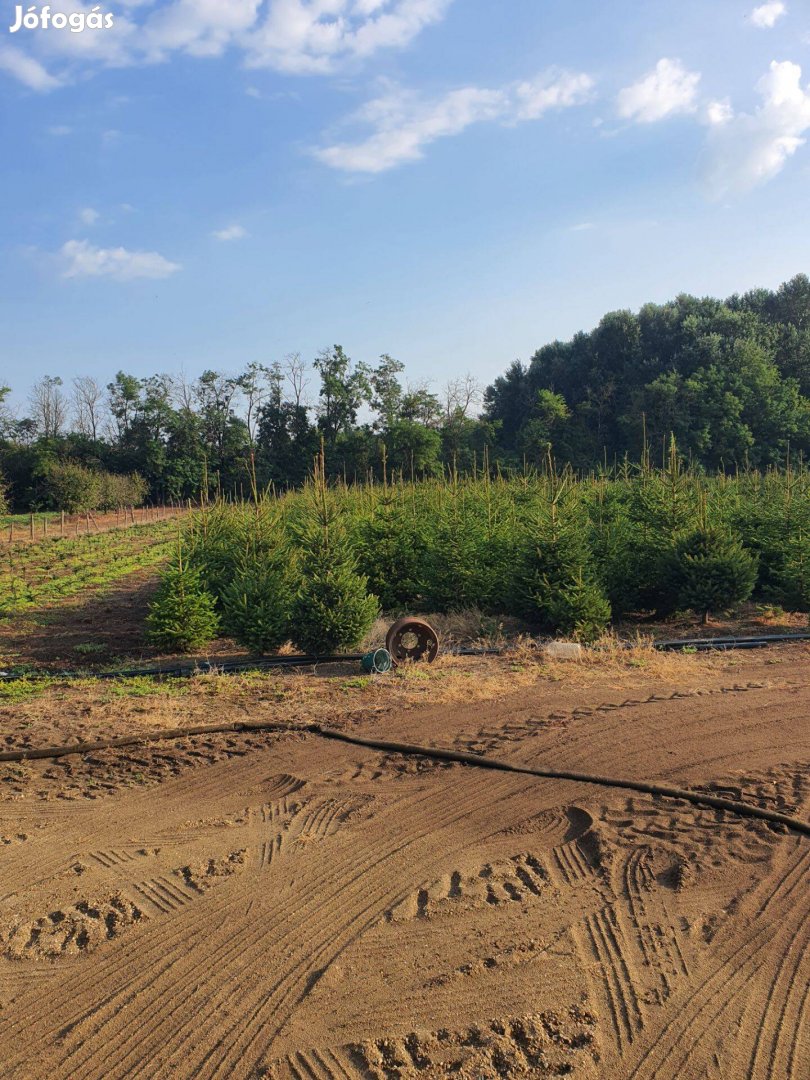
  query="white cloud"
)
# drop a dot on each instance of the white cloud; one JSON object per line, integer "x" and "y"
{"x": 298, "y": 36}
{"x": 665, "y": 91}
{"x": 231, "y": 232}
{"x": 199, "y": 27}
{"x": 313, "y": 36}
{"x": 88, "y": 216}
{"x": 751, "y": 148}
{"x": 766, "y": 15}
{"x": 403, "y": 123}
{"x": 81, "y": 259}
{"x": 718, "y": 112}
{"x": 60, "y": 130}
{"x": 26, "y": 69}
{"x": 539, "y": 95}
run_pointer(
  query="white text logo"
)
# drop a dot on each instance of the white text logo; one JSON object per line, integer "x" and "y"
{"x": 35, "y": 18}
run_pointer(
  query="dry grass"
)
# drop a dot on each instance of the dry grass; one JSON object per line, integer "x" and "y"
{"x": 340, "y": 693}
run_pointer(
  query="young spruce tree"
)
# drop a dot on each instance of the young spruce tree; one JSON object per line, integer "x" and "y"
{"x": 556, "y": 582}
{"x": 256, "y": 601}
{"x": 332, "y": 608}
{"x": 182, "y": 617}
{"x": 707, "y": 571}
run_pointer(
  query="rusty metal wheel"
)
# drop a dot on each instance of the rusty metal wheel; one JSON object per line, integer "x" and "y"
{"x": 412, "y": 639}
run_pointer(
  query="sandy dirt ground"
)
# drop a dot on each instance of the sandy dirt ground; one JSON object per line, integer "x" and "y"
{"x": 278, "y": 906}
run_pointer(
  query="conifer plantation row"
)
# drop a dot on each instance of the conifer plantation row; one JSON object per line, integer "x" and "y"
{"x": 564, "y": 552}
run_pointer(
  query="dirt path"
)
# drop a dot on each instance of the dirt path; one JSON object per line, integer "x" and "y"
{"x": 312, "y": 911}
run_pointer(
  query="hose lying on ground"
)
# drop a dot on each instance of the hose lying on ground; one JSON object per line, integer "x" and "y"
{"x": 434, "y": 753}
{"x": 234, "y": 667}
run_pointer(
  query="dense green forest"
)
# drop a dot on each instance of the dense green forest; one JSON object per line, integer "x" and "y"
{"x": 729, "y": 379}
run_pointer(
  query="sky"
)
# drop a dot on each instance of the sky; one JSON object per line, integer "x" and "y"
{"x": 207, "y": 183}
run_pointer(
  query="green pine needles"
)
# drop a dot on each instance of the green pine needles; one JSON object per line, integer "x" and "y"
{"x": 182, "y": 617}
{"x": 332, "y": 608}
{"x": 708, "y": 571}
{"x": 556, "y": 583}
{"x": 560, "y": 550}
{"x": 256, "y": 602}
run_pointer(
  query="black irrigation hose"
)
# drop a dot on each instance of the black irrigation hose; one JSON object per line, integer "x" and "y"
{"x": 187, "y": 670}
{"x": 704, "y": 644}
{"x": 161, "y": 735}
{"x": 227, "y": 667}
{"x": 230, "y": 667}
{"x": 434, "y": 753}
{"x": 697, "y": 798}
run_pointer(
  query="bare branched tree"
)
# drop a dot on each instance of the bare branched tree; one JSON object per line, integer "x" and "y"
{"x": 462, "y": 396}
{"x": 88, "y": 398}
{"x": 296, "y": 371}
{"x": 49, "y": 408}
{"x": 183, "y": 392}
{"x": 254, "y": 387}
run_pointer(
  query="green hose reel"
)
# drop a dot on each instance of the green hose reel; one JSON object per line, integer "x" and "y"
{"x": 377, "y": 662}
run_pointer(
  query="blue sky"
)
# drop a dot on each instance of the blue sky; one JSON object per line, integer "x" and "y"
{"x": 454, "y": 182}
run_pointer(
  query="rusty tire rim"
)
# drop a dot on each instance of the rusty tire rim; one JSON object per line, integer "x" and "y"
{"x": 412, "y": 639}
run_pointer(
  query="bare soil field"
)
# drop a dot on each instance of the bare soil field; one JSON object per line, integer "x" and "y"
{"x": 275, "y": 905}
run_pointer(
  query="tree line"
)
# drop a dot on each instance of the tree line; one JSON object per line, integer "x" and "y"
{"x": 729, "y": 379}
{"x": 221, "y": 434}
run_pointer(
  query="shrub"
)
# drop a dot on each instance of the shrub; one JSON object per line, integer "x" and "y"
{"x": 707, "y": 571}
{"x": 579, "y": 610}
{"x": 77, "y": 489}
{"x": 182, "y": 617}
{"x": 72, "y": 487}
{"x": 119, "y": 489}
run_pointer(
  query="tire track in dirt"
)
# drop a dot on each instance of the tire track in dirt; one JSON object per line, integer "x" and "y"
{"x": 771, "y": 1025}
{"x": 697, "y": 1013}
{"x": 319, "y": 1065}
{"x": 289, "y": 989}
{"x": 609, "y": 949}
{"x": 422, "y": 816}
{"x": 274, "y": 784}
{"x": 370, "y": 922}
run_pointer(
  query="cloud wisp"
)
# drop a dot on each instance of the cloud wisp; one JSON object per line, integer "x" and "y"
{"x": 665, "y": 91}
{"x": 404, "y": 123}
{"x": 26, "y": 69}
{"x": 294, "y": 36}
{"x": 81, "y": 259}
{"x": 230, "y": 232}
